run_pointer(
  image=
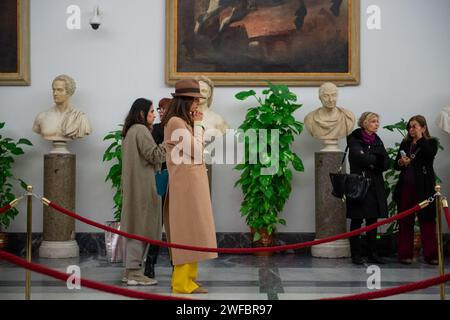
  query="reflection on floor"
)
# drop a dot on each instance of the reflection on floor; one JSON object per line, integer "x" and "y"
{"x": 230, "y": 277}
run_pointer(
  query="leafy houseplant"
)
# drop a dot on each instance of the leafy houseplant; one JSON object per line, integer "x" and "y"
{"x": 391, "y": 176}
{"x": 9, "y": 149}
{"x": 114, "y": 153}
{"x": 265, "y": 195}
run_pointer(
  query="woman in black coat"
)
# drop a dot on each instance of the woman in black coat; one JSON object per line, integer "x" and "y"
{"x": 368, "y": 157}
{"x": 158, "y": 135}
{"x": 416, "y": 183}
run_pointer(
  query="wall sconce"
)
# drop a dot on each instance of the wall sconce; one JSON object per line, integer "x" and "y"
{"x": 95, "y": 21}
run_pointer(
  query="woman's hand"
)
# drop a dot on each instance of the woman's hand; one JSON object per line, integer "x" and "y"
{"x": 197, "y": 115}
{"x": 404, "y": 161}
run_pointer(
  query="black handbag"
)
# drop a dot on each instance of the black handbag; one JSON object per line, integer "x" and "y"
{"x": 346, "y": 186}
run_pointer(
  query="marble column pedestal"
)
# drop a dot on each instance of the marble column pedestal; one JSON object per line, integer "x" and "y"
{"x": 59, "y": 187}
{"x": 330, "y": 211}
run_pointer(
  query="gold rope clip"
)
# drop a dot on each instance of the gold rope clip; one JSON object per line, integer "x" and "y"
{"x": 45, "y": 201}
{"x": 445, "y": 203}
{"x": 424, "y": 204}
{"x": 14, "y": 203}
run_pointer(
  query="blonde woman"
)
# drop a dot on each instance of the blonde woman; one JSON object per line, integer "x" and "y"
{"x": 368, "y": 157}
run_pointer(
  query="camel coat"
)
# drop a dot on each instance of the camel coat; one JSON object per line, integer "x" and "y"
{"x": 141, "y": 207}
{"x": 188, "y": 216}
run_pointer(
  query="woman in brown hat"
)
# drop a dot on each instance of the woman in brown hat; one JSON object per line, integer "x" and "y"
{"x": 188, "y": 216}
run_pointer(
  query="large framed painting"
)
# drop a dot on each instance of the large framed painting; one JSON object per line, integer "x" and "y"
{"x": 247, "y": 42}
{"x": 14, "y": 42}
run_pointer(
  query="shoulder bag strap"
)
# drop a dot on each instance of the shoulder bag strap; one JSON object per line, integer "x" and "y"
{"x": 343, "y": 160}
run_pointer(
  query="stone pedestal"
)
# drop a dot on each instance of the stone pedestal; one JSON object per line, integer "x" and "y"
{"x": 59, "y": 187}
{"x": 59, "y": 249}
{"x": 330, "y": 211}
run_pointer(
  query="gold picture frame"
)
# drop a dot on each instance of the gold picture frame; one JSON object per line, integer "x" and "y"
{"x": 15, "y": 43}
{"x": 184, "y": 59}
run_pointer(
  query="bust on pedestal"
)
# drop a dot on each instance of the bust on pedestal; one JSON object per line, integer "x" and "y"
{"x": 215, "y": 125}
{"x": 60, "y": 124}
{"x": 329, "y": 124}
{"x": 443, "y": 120}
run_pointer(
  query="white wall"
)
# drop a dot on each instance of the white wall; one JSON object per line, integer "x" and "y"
{"x": 405, "y": 70}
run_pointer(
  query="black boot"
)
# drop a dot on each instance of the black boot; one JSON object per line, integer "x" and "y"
{"x": 375, "y": 258}
{"x": 372, "y": 255}
{"x": 355, "y": 247}
{"x": 152, "y": 257}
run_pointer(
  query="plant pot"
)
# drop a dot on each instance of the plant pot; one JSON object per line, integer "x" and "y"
{"x": 114, "y": 243}
{"x": 265, "y": 241}
{"x": 3, "y": 240}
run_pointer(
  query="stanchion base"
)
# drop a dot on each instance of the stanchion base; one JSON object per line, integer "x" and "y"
{"x": 59, "y": 249}
{"x": 333, "y": 250}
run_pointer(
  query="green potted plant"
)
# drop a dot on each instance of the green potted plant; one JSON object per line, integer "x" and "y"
{"x": 9, "y": 149}
{"x": 391, "y": 176}
{"x": 265, "y": 195}
{"x": 113, "y": 154}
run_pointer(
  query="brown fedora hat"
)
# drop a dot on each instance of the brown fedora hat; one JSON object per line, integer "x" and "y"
{"x": 187, "y": 88}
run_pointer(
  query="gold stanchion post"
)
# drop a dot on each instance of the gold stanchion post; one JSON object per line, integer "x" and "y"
{"x": 440, "y": 238}
{"x": 29, "y": 240}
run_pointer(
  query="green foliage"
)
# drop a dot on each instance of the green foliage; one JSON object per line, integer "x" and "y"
{"x": 391, "y": 176}
{"x": 9, "y": 149}
{"x": 265, "y": 195}
{"x": 113, "y": 154}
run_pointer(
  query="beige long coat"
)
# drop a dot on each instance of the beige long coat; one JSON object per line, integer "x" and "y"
{"x": 141, "y": 207}
{"x": 188, "y": 216}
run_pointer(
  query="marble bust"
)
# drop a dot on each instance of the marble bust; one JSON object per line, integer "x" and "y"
{"x": 213, "y": 122}
{"x": 330, "y": 122}
{"x": 63, "y": 122}
{"x": 443, "y": 120}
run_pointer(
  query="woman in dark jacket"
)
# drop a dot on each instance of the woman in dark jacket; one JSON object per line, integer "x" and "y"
{"x": 416, "y": 183}
{"x": 158, "y": 135}
{"x": 368, "y": 157}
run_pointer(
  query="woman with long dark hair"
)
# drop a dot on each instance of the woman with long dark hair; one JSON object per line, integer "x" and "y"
{"x": 416, "y": 183}
{"x": 141, "y": 206}
{"x": 188, "y": 217}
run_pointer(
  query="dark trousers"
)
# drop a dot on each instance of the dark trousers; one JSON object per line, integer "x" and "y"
{"x": 153, "y": 250}
{"x": 371, "y": 236}
{"x": 406, "y": 230}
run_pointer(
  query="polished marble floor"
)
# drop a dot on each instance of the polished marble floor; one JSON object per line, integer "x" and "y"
{"x": 230, "y": 277}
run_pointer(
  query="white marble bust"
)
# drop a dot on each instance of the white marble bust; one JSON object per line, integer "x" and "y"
{"x": 329, "y": 122}
{"x": 63, "y": 122}
{"x": 443, "y": 120}
{"x": 213, "y": 122}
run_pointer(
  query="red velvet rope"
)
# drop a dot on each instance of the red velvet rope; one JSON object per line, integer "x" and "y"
{"x": 4, "y": 209}
{"x": 447, "y": 216}
{"x": 237, "y": 250}
{"x": 84, "y": 282}
{"x": 149, "y": 296}
{"x": 397, "y": 290}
